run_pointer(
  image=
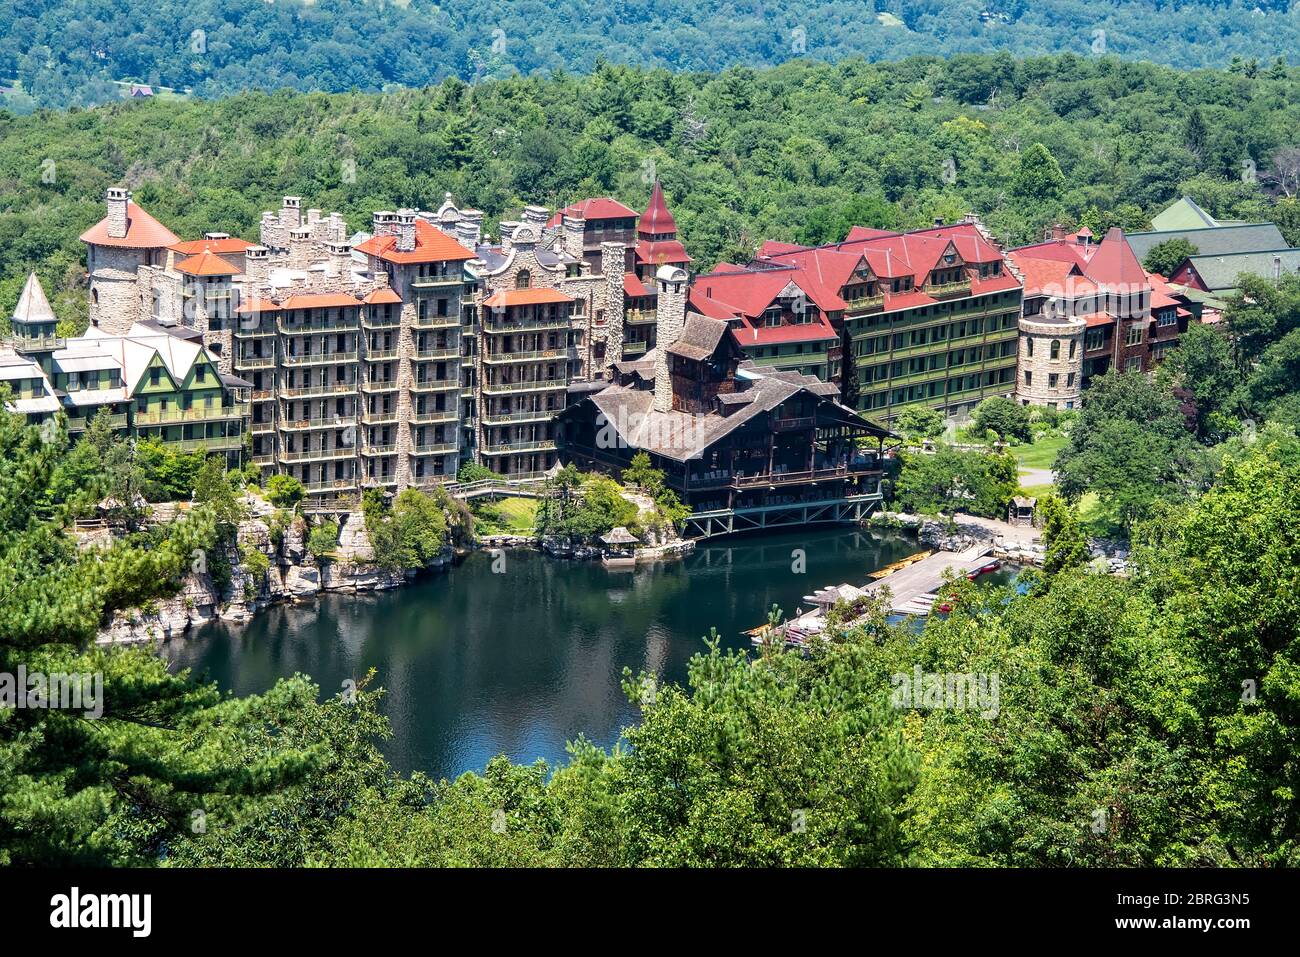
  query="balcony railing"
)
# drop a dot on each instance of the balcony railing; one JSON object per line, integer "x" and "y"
{"x": 446, "y": 352}
{"x": 640, "y": 317}
{"x": 261, "y": 428}
{"x": 319, "y": 389}
{"x": 317, "y": 324}
{"x": 435, "y": 448}
{"x": 319, "y": 422}
{"x": 496, "y": 358}
{"x": 379, "y": 418}
{"x": 521, "y": 445}
{"x": 723, "y": 478}
{"x": 78, "y": 423}
{"x": 258, "y": 331}
{"x": 382, "y": 322}
{"x": 38, "y": 343}
{"x": 255, "y": 362}
{"x": 379, "y": 385}
{"x": 434, "y": 385}
{"x": 380, "y": 355}
{"x": 506, "y": 418}
{"x": 634, "y": 348}
{"x": 217, "y": 443}
{"x": 498, "y": 326}
{"x": 430, "y": 282}
{"x": 195, "y": 414}
{"x": 508, "y": 388}
{"x": 332, "y": 485}
{"x": 949, "y": 290}
{"x": 373, "y": 450}
{"x": 867, "y": 304}
{"x": 319, "y": 358}
{"x": 436, "y": 415}
{"x": 436, "y": 322}
{"x": 319, "y": 455}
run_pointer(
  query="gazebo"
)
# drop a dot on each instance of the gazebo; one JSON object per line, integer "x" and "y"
{"x": 1022, "y": 510}
{"x": 620, "y": 547}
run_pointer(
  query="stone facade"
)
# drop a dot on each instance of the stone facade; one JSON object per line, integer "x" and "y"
{"x": 366, "y": 365}
{"x": 1050, "y": 362}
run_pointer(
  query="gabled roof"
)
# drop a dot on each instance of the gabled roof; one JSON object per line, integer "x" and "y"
{"x": 525, "y": 297}
{"x": 599, "y": 207}
{"x": 32, "y": 304}
{"x": 1219, "y": 273}
{"x": 634, "y": 288}
{"x": 142, "y": 232}
{"x": 657, "y": 220}
{"x": 192, "y": 247}
{"x": 700, "y": 337}
{"x": 1213, "y": 240}
{"x": 206, "y": 264}
{"x": 1182, "y": 214}
{"x": 381, "y": 296}
{"x": 431, "y": 245}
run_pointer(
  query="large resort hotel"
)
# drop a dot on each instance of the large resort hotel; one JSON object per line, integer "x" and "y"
{"x": 391, "y": 357}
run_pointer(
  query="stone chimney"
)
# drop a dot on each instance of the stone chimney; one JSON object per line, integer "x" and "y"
{"x": 384, "y": 223}
{"x": 508, "y": 227}
{"x": 670, "y": 320}
{"x": 571, "y": 235}
{"x": 216, "y": 236}
{"x": 300, "y": 247}
{"x": 612, "y": 257}
{"x": 340, "y": 259}
{"x": 405, "y": 231}
{"x": 536, "y": 216}
{"x": 291, "y": 212}
{"x": 469, "y": 228}
{"x": 337, "y": 231}
{"x": 257, "y": 269}
{"x": 117, "y": 198}
{"x": 313, "y": 217}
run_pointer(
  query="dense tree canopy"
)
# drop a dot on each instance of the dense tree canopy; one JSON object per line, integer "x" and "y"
{"x": 83, "y": 51}
{"x": 798, "y": 152}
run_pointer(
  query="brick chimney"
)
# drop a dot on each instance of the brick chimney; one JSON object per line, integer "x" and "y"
{"x": 117, "y": 198}
{"x": 670, "y": 320}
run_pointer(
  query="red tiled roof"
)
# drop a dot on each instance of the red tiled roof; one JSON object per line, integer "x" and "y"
{"x": 431, "y": 246}
{"x": 142, "y": 232}
{"x": 249, "y": 306}
{"x": 1114, "y": 263}
{"x": 381, "y": 296}
{"x": 792, "y": 332}
{"x": 771, "y": 247}
{"x": 868, "y": 232}
{"x": 1098, "y": 319}
{"x": 662, "y": 252}
{"x": 206, "y": 264}
{"x": 634, "y": 287}
{"x": 193, "y": 247}
{"x": 600, "y": 207}
{"x": 657, "y": 220}
{"x": 525, "y": 297}
{"x": 744, "y": 295}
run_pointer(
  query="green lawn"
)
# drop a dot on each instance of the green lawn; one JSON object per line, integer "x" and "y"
{"x": 1041, "y": 454}
{"x": 507, "y": 516}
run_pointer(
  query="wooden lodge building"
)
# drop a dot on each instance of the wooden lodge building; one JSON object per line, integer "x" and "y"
{"x": 745, "y": 447}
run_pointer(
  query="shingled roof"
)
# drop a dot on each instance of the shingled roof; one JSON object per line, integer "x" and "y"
{"x": 32, "y": 304}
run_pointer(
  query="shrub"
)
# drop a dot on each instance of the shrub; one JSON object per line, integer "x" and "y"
{"x": 323, "y": 538}
{"x": 284, "y": 491}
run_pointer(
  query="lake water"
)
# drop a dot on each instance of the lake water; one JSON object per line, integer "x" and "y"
{"x": 477, "y": 663}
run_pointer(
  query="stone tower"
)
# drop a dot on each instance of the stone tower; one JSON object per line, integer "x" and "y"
{"x": 670, "y": 319}
{"x": 612, "y": 258}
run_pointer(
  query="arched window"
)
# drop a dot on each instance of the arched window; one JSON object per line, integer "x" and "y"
{"x": 523, "y": 279}
{"x": 1056, "y": 348}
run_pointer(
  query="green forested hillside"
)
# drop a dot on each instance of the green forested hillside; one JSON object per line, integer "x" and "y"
{"x": 68, "y": 51}
{"x": 797, "y": 152}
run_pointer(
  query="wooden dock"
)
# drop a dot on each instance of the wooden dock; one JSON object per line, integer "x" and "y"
{"x": 914, "y": 588}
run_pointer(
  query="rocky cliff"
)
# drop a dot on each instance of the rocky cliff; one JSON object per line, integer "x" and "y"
{"x": 292, "y": 574}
